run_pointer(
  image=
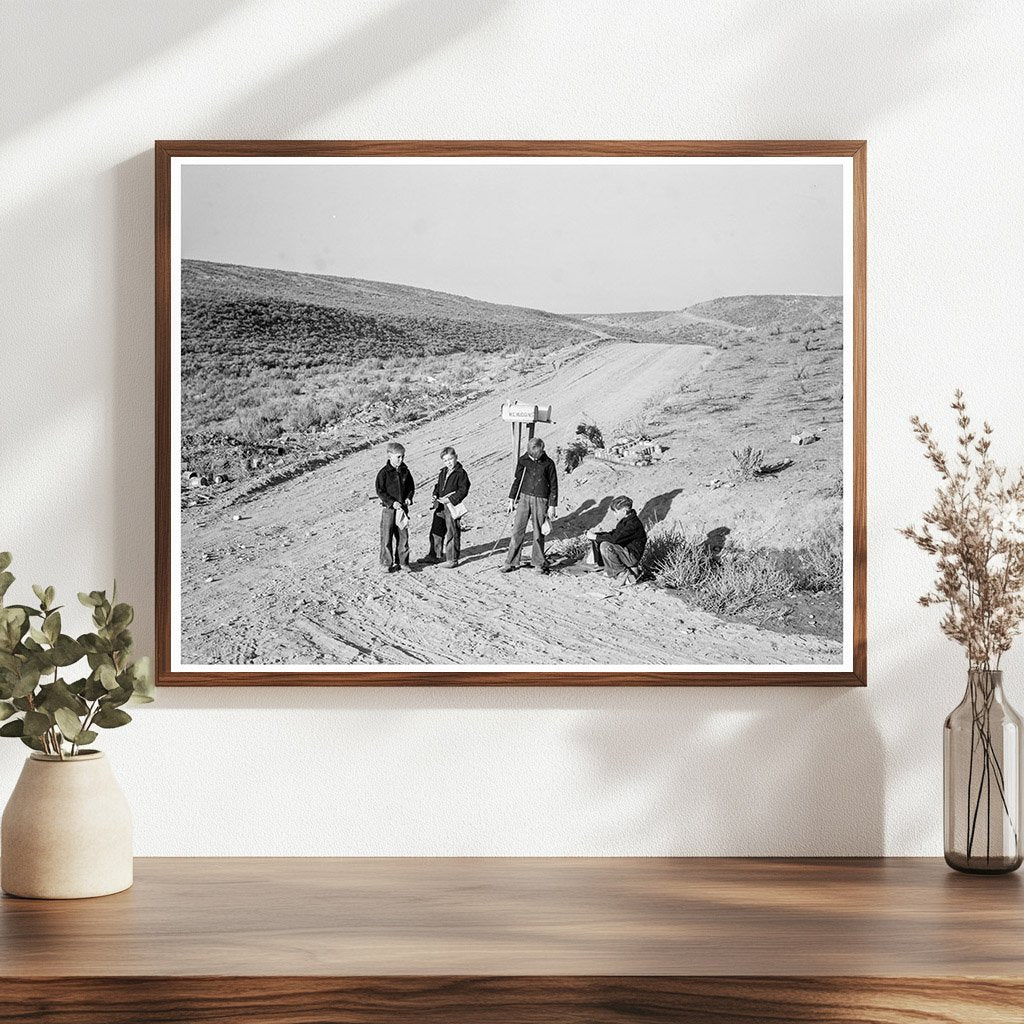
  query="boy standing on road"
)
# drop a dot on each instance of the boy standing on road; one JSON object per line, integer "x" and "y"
{"x": 395, "y": 488}
{"x": 445, "y": 529}
{"x": 533, "y": 496}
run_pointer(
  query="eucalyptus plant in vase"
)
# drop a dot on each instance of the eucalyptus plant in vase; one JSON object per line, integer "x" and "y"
{"x": 66, "y": 830}
{"x": 975, "y": 529}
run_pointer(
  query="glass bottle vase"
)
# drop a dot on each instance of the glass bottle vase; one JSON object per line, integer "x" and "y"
{"x": 981, "y": 773}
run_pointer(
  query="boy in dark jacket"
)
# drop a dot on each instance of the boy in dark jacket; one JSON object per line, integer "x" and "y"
{"x": 395, "y": 488}
{"x": 622, "y": 548}
{"x": 533, "y": 496}
{"x": 446, "y": 530}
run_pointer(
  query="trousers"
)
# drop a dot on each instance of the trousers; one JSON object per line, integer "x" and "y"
{"x": 528, "y": 508}
{"x": 394, "y": 543}
{"x": 445, "y": 535}
{"x": 617, "y": 559}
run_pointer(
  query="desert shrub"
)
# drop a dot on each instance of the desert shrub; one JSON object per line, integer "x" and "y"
{"x": 304, "y": 415}
{"x": 676, "y": 560}
{"x": 572, "y": 455}
{"x": 821, "y": 568}
{"x": 260, "y": 424}
{"x": 748, "y": 462}
{"x": 572, "y": 549}
{"x": 738, "y": 580}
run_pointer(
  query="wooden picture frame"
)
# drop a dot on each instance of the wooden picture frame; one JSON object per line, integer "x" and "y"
{"x": 175, "y": 668}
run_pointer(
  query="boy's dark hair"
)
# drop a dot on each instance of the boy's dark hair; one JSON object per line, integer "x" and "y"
{"x": 535, "y": 445}
{"x": 449, "y": 451}
{"x": 622, "y": 502}
{"x": 394, "y": 446}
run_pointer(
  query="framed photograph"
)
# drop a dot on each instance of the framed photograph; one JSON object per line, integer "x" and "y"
{"x": 492, "y": 413}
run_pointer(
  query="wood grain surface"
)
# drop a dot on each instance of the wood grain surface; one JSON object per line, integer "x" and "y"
{"x": 167, "y": 150}
{"x": 523, "y": 939}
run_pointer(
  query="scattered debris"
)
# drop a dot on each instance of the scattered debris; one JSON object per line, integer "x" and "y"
{"x": 807, "y": 438}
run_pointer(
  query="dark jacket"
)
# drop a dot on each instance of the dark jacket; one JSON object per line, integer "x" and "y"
{"x": 395, "y": 485}
{"x": 539, "y": 478}
{"x": 629, "y": 533}
{"x": 455, "y": 485}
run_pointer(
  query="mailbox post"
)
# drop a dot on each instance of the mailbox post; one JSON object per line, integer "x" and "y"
{"x": 518, "y": 413}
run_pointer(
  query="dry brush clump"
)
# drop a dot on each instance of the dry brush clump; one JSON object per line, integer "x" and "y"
{"x": 820, "y": 569}
{"x": 733, "y": 581}
{"x": 975, "y": 530}
{"x": 748, "y": 462}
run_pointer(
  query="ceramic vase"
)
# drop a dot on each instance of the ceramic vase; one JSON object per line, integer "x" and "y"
{"x": 66, "y": 831}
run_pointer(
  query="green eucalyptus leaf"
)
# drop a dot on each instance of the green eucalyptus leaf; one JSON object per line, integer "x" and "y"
{"x": 67, "y": 651}
{"x": 107, "y": 676}
{"x": 22, "y": 703}
{"x": 142, "y": 678}
{"x": 94, "y": 644}
{"x": 59, "y": 695}
{"x": 27, "y": 682}
{"x": 31, "y": 741}
{"x": 5, "y": 560}
{"x": 29, "y": 611}
{"x": 13, "y": 625}
{"x": 6, "y": 710}
{"x": 89, "y": 600}
{"x": 38, "y": 635}
{"x": 6, "y": 579}
{"x": 109, "y": 718}
{"x": 69, "y": 723}
{"x": 87, "y": 736}
{"x": 115, "y": 698}
{"x": 36, "y": 723}
{"x": 9, "y": 663}
{"x": 122, "y": 616}
{"x": 50, "y": 594}
{"x": 94, "y": 689}
{"x": 51, "y": 626}
{"x": 40, "y": 592}
{"x": 16, "y": 727}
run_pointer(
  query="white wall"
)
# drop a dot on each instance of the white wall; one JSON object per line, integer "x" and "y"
{"x": 936, "y": 88}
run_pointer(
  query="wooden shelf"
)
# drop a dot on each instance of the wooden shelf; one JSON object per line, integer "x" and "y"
{"x": 505, "y": 940}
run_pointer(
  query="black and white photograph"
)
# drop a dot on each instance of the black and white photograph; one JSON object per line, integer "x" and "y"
{"x": 511, "y": 414}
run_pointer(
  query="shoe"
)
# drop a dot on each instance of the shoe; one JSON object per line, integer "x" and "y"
{"x": 506, "y": 568}
{"x": 404, "y": 567}
{"x": 386, "y": 569}
{"x": 449, "y": 565}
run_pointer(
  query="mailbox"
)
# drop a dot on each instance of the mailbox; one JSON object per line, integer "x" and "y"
{"x": 520, "y": 412}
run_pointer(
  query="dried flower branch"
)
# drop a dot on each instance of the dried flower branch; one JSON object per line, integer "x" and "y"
{"x": 975, "y": 529}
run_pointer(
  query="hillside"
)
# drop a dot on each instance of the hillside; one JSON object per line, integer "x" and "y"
{"x": 273, "y": 360}
{"x": 717, "y": 321}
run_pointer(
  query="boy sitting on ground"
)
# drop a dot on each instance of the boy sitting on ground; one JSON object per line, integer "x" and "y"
{"x": 395, "y": 488}
{"x": 622, "y": 548}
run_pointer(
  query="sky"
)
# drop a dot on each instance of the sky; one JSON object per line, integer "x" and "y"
{"x": 583, "y": 237}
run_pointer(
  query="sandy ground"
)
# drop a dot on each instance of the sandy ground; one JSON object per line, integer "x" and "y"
{"x": 295, "y": 579}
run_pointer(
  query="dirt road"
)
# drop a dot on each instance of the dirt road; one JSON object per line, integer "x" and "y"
{"x": 295, "y": 580}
